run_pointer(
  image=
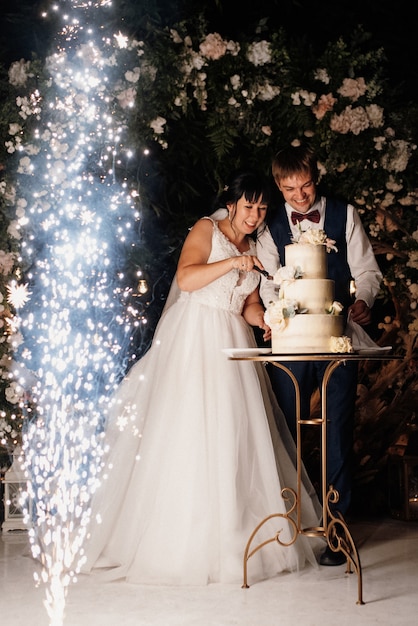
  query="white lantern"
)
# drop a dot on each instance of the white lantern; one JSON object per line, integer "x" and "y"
{"x": 16, "y": 498}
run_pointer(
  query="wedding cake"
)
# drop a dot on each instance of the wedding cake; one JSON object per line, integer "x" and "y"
{"x": 305, "y": 318}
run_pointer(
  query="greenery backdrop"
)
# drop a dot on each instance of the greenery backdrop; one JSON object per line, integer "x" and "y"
{"x": 211, "y": 90}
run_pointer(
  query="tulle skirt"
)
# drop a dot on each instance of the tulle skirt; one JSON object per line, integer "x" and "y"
{"x": 192, "y": 468}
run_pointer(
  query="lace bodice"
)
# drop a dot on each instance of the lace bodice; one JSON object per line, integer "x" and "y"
{"x": 231, "y": 290}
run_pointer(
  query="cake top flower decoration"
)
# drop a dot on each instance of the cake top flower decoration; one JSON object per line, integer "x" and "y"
{"x": 316, "y": 237}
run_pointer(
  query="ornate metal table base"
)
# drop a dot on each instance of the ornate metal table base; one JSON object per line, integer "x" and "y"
{"x": 335, "y": 531}
{"x": 334, "y": 528}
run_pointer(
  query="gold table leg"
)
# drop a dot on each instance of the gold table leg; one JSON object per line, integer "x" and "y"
{"x": 340, "y": 539}
{"x": 334, "y": 529}
{"x": 288, "y": 495}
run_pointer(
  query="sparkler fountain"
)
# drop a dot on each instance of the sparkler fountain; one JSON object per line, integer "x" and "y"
{"x": 77, "y": 218}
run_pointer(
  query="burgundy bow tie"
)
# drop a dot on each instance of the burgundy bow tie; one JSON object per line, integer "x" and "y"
{"x": 313, "y": 216}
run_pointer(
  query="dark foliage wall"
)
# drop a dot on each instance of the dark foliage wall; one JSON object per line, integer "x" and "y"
{"x": 179, "y": 189}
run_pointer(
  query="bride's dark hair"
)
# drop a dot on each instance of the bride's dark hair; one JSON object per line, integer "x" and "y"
{"x": 247, "y": 183}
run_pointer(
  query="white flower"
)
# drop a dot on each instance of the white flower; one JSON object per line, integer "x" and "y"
{"x": 412, "y": 259}
{"x": 213, "y": 47}
{"x": 267, "y": 92}
{"x": 31, "y": 149}
{"x": 295, "y": 98}
{"x": 322, "y": 75}
{"x": 325, "y": 103}
{"x": 350, "y": 120}
{"x": 278, "y": 312}
{"x": 28, "y": 107}
{"x": 10, "y": 194}
{"x": 197, "y": 62}
{"x": 379, "y": 142}
{"x": 132, "y": 76}
{"x": 396, "y": 160}
{"x": 235, "y": 81}
{"x": 181, "y": 99}
{"x": 315, "y": 236}
{"x": 330, "y": 245}
{"x": 353, "y": 88}
{"x": 13, "y": 230}
{"x": 308, "y": 97}
{"x": 375, "y": 115}
{"x": 233, "y": 48}
{"x": 413, "y": 288}
{"x": 259, "y": 53}
{"x": 7, "y": 260}
{"x": 14, "y": 393}
{"x": 18, "y": 73}
{"x": 10, "y": 146}
{"x": 14, "y": 129}
{"x": 393, "y": 185}
{"x": 336, "y": 308}
{"x": 175, "y": 36}
{"x": 157, "y": 125}
{"x": 267, "y": 130}
{"x": 25, "y": 166}
{"x": 286, "y": 273}
{"x": 409, "y": 200}
{"x": 127, "y": 97}
{"x": 341, "y": 344}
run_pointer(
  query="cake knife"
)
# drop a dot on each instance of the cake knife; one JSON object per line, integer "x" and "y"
{"x": 264, "y": 272}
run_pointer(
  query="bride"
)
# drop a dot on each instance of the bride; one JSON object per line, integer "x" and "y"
{"x": 195, "y": 459}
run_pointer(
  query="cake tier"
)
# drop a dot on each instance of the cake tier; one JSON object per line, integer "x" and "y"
{"x": 310, "y": 258}
{"x": 314, "y": 294}
{"x": 306, "y": 334}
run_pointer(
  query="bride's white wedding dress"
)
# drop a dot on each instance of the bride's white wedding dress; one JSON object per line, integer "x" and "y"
{"x": 192, "y": 469}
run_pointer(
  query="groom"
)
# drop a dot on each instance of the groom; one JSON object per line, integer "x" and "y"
{"x": 295, "y": 172}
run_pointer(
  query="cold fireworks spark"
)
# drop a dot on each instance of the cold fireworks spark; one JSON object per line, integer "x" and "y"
{"x": 77, "y": 218}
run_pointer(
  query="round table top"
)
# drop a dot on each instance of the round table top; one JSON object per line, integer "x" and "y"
{"x": 264, "y": 354}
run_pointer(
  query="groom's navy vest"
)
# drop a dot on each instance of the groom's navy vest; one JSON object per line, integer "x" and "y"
{"x": 334, "y": 226}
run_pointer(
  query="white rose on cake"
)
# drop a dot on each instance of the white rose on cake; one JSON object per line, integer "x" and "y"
{"x": 287, "y": 273}
{"x": 278, "y": 312}
{"x": 316, "y": 237}
{"x": 341, "y": 344}
{"x": 335, "y": 308}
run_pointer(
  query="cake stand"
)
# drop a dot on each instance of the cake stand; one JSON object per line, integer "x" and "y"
{"x": 333, "y": 527}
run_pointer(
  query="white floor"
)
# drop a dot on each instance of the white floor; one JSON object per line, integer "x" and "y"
{"x": 327, "y": 596}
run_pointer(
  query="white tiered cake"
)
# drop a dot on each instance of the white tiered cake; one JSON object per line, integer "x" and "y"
{"x": 305, "y": 318}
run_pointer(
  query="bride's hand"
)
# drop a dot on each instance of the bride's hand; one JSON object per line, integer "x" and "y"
{"x": 267, "y": 332}
{"x": 245, "y": 263}
{"x": 262, "y": 324}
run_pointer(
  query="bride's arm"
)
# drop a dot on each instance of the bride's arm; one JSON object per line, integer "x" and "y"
{"x": 253, "y": 313}
{"x": 193, "y": 270}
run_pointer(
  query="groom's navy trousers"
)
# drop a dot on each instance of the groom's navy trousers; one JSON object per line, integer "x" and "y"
{"x": 341, "y": 398}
